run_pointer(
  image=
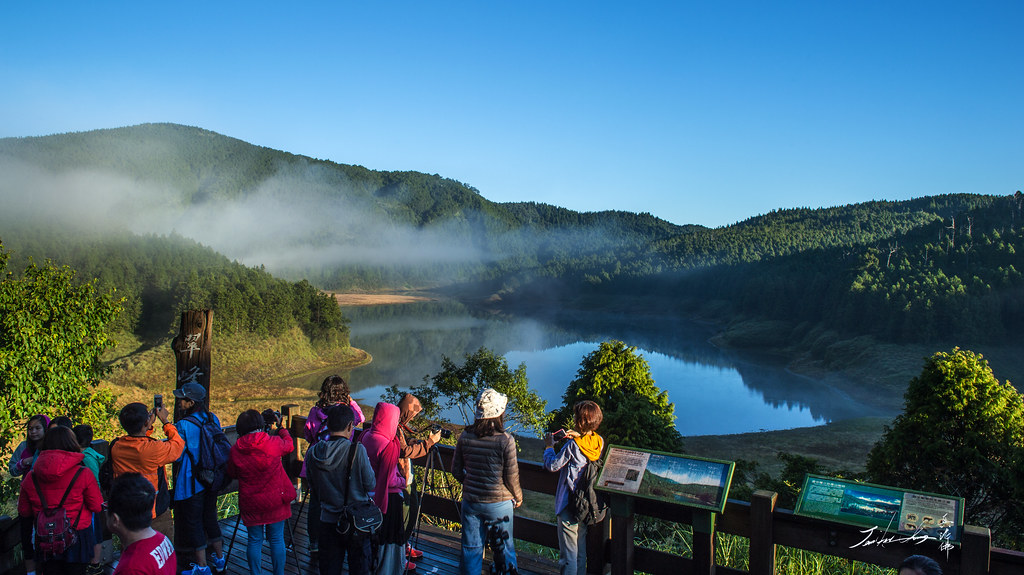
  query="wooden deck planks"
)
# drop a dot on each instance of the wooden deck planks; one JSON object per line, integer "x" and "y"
{"x": 441, "y": 550}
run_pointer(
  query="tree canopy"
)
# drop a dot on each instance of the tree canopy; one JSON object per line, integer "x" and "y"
{"x": 636, "y": 412}
{"x": 961, "y": 433}
{"x": 52, "y": 332}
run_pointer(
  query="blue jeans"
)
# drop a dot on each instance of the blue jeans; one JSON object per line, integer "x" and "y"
{"x": 254, "y": 550}
{"x": 474, "y": 533}
{"x": 572, "y": 544}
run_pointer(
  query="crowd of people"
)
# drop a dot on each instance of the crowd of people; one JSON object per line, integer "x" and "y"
{"x": 344, "y": 466}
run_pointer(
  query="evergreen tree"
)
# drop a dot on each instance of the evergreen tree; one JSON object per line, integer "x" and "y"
{"x": 961, "y": 433}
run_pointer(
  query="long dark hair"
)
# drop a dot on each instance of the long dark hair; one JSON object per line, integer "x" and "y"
{"x": 333, "y": 390}
{"x": 37, "y": 445}
{"x": 486, "y": 427}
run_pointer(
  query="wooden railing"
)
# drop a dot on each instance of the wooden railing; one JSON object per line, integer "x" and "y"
{"x": 611, "y": 546}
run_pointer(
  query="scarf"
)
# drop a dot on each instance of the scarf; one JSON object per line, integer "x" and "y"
{"x": 591, "y": 445}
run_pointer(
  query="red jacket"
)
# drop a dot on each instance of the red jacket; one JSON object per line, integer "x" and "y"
{"x": 54, "y": 469}
{"x": 265, "y": 493}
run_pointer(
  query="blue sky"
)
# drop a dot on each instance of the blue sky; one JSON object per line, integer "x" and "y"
{"x": 697, "y": 112}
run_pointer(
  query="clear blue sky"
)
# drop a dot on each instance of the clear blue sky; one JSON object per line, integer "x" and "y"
{"x": 698, "y": 112}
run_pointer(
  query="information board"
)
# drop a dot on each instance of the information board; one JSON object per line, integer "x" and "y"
{"x": 917, "y": 515}
{"x": 691, "y": 481}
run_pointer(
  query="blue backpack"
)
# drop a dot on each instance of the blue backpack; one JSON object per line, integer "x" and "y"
{"x": 214, "y": 448}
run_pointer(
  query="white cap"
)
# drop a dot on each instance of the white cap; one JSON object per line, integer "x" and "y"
{"x": 491, "y": 403}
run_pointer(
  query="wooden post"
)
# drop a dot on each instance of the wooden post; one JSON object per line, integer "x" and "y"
{"x": 762, "y": 536}
{"x": 975, "y": 550}
{"x": 598, "y": 538}
{"x": 192, "y": 349}
{"x": 622, "y": 535}
{"x": 704, "y": 542}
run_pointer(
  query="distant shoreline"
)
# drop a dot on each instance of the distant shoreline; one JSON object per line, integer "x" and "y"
{"x": 370, "y": 299}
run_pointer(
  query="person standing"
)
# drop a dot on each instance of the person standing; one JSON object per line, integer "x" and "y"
{"x": 195, "y": 506}
{"x": 92, "y": 460}
{"x": 25, "y": 454}
{"x": 382, "y": 448}
{"x": 584, "y": 446}
{"x": 137, "y": 452}
{"x": 409, "y": 407}
{"x": 265, "y": 493}
{"x": 145, "y": 551}
{"x": 336, "y": 484}
{"x": 57, "y": 475}
{"x": 486, "y": 465}
{"x": 333, "y": 391}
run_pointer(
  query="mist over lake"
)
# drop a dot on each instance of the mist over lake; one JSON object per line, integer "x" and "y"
{"x": 714, "y": 391}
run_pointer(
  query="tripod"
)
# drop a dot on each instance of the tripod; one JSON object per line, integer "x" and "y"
{"x": 496, "y": 538}
{"x": 430, "y": 477}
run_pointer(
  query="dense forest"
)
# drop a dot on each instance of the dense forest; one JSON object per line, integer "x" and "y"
{"x": 928, "y": 269}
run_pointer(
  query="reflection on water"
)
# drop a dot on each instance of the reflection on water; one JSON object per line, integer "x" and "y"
{"x": 715, "y": 392}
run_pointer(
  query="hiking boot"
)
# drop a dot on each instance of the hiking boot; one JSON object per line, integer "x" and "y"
{"x": 218, "y": 563}
{"x": 197, "y": 570}
{"x": 412, "y": 553}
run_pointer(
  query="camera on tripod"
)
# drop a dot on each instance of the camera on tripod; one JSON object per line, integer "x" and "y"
{"x": 270, "y": 418}
{"x": 445, "y": 433}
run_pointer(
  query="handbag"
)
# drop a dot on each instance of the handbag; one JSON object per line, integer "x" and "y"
{"x": 361, "y": 518}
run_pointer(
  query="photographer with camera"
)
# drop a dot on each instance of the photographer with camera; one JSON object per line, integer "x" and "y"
{"x": 584, "y": 446}
{"x": 486, "y": 465}
{"x": 409, "y": 407}
{"x": 265, "y": 493}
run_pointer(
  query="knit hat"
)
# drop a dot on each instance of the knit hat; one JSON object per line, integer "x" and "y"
{"x": 491, "y": 403}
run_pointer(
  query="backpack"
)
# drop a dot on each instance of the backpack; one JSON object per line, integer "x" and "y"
{"x": 106, "y": 474}
{"x": 214, "y": 448}
{"x": 55, "y": 533}
{"x": 588, "y": 505}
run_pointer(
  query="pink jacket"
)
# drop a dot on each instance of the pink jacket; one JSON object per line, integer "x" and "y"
{"x": 383, "y": 449}
{"x": 265, "y": 493}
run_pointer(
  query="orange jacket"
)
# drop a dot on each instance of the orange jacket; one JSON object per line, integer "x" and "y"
{"x": 146, "y": 455}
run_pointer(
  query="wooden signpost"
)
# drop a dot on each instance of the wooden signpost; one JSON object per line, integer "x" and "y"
{"x": 192, "y": 349}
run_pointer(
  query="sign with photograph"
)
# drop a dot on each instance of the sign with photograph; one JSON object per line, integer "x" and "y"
{"x": 691, "y": 481}
{"x": 912, "y": 516}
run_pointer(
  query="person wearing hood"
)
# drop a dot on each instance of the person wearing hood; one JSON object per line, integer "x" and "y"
{"x": 336, "y": 484}
{"x": 409, "y": 407}
{"x": 485, "y": 464}
{"x": 585, "y": 446}
{"x": 265, "y": 493}
{"x": 59, "y": 470}
{"x": 384, "y": 451}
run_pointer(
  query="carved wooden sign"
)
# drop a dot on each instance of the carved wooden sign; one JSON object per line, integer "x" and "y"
{"x": 192, "y": 349}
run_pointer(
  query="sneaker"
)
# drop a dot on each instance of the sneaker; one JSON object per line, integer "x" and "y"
{"x": 94, "y": 569}
{"x": 219, "y": 562}
{"x": 197, "y": 570}
{"x": 410, "y": 566}
{"x": 412, "y": 553}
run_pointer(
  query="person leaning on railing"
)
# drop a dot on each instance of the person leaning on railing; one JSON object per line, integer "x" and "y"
{"x": 486, "y": 465}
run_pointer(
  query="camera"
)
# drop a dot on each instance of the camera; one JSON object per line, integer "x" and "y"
{"x": 445, "y": 433}
{"x": 270, "y": 418}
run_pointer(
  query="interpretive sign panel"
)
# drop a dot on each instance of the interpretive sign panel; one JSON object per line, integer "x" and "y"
{"x": 691, "y": 481}
{"x": 914, "y": 514}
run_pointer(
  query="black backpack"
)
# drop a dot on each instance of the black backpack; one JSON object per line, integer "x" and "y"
{"x": 55, "y": 533}
{"x": 587, "y": 504}
{"x": 210, "y": 468}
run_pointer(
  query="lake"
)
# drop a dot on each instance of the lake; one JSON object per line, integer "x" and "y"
{"x": 714, "y": 391}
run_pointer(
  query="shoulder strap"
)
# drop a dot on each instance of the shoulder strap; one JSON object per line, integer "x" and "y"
{"x": 351, "y": 459}
{"x": 42, "y": 498}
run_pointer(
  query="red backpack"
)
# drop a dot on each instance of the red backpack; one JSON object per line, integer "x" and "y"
{"x": 55, "y": 533}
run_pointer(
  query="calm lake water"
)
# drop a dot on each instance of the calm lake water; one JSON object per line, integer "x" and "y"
{"x": 714, "y": 391}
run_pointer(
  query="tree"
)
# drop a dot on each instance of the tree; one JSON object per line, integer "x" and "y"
{"x": 636, "y": 412}
{"x": 960, "y": 433}
{"x": 52, "y": 332}
{"x": 458, "y": 386}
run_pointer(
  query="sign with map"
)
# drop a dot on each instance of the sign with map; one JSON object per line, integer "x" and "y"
{"x": 691, "y": 481}
{"x": 915, "y": 515}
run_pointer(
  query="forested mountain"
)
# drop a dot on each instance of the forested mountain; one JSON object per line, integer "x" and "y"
{"x": 918, "y": 270}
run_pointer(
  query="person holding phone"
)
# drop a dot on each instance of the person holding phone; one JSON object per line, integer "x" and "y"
{"x": 585, "y": 446}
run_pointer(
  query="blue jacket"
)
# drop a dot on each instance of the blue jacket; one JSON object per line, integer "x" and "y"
{"x": 185, "y": 484}
{"x": 569, "y": 461}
